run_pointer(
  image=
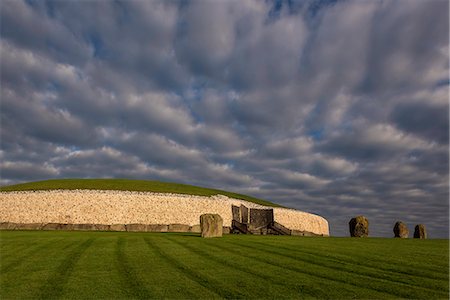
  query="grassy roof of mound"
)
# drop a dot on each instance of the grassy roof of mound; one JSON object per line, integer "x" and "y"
{"x": 128, "y": 185}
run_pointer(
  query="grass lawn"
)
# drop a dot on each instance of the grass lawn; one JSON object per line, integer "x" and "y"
{"x": 128, "y": 185}
{"x": 100, "y": 265}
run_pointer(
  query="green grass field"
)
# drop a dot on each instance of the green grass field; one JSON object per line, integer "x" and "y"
{"x": 106, "y": 265}
{"x": 128, "y": 185}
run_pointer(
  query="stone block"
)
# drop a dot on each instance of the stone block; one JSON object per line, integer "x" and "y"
{"x": 236, "y": 213}
{"x": 29, "y": 226}
{"x": 101, "y": 227}
{"x": 359, "y": 227}
{"x": 226, "y": 230}
{"x": 178, "y": 228}
{"x": 261, "y": 217}
{"x": 136, "y": 227}
{"x": 244, "y": 214}
{"x": 157, "y": 228}
{"x": 211, "y": 225}
{"x": 8, "y": 226}
{"x": 51, "y": 226}
{"x": 117, "y": 227}
{"x": 66, "y": 226}
{"x": 195, "y": 228}
{"x": 83, "y": 227}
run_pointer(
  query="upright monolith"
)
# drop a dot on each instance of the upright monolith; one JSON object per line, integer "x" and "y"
{"x": 401, "y": 230}
{"x": 359, "y": 226}
{"x": 420, "y": 232}
{"x": 211, "y": 225}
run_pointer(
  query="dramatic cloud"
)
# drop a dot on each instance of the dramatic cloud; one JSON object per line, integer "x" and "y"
{"x": 338, "y": 108}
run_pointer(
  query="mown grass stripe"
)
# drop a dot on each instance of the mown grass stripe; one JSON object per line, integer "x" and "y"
{"x": 30, "y": 252}
{"x": 376, "y": 257}
{"x": 54, "y": 286}
{"x": 247, "y": 270}
{"x": 135, "y": 288}
{"x": 311, "y": 272}
{"x": 375, "y": 284}
{"x": 349, "y": 266}
{"x": 192, "y": 274}
{"x": 288, "y": 267}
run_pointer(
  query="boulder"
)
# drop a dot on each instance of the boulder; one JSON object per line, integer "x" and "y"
{"x": 211, "y": 225}
{"x": 420, "y": 232}
{"x": 359, "y": 227}
{"x": 178, "y": 228}
{"x": 401, "y": 230}
{"x": 157, "y": 228}
{"x": 117, "y": 227}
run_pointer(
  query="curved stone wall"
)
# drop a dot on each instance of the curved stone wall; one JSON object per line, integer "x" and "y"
{"x": 122, "y": 207}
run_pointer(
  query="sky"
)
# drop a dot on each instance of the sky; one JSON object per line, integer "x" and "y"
{"x": 338, "y": 108}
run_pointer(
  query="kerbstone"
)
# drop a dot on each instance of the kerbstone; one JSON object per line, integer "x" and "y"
{"x": 211, "y": 225}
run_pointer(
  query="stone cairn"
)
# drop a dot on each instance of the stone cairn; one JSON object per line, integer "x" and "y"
{"x": 211, "y": 225}
{"x": 401, "y": 230}
{"x": 420, "y": 232}
{"x": 359, "y": 227}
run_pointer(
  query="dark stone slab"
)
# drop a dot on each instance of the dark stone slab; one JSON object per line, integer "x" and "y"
{"x": 238, "y": 227}
{"x": 236, "y": 212}
{"x": 279, "y": 229}
{"x": 261, "y": 217}
{"x": 244, "y": 214}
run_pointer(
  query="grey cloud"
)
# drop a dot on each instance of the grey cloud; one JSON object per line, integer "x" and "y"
{"x": 423, "y": 119}
{"x": 336, "y": 108}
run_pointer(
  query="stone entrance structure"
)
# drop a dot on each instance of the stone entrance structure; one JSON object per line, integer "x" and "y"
{"x": 255, "y": 221}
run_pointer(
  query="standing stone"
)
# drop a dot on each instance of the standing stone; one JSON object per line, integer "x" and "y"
{"x": 420, "y": 232}
{"x": 211, "y": 225}
{"x": 261, "y": 217}
{"x": 244, "y": 214}
{"x": 359, "y": 227}
{"x": 401, "y": 230}
{"x": 236, "y": 212}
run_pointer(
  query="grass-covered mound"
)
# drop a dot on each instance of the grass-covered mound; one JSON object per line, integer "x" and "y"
{"x": 124, "y": 265}
{"x": 128, "y": 185}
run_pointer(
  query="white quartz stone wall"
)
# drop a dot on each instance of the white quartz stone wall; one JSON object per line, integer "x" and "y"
{"x": 122, "y": 207}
